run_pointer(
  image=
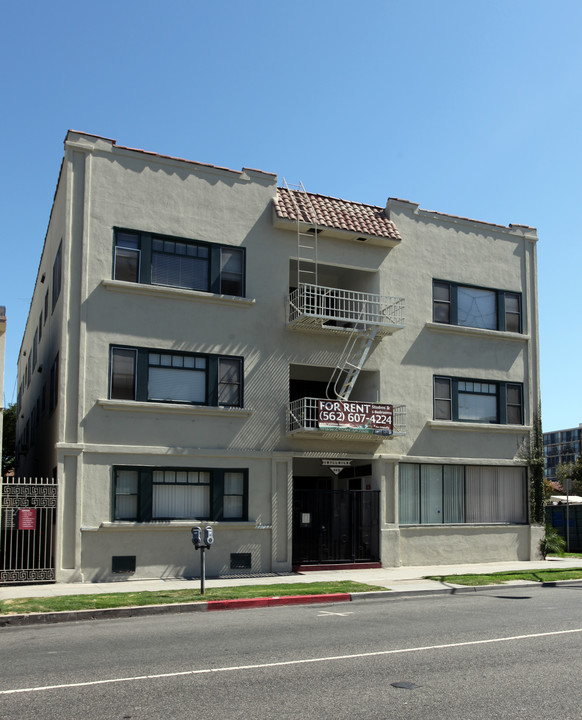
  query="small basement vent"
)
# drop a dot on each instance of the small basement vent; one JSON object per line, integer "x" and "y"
{"x": 240, "y": 561}
{"x": 123, "y": 563}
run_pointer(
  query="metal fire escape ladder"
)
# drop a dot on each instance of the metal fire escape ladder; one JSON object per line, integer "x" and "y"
{"x": 351, "y": 362}
{"x": 306, "y": 241}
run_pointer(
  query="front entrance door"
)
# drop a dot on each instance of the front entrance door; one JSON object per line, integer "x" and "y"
{"x": 335, "y": 526}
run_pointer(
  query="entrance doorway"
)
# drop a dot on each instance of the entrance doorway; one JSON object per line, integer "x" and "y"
{"x": 335, "y": 526}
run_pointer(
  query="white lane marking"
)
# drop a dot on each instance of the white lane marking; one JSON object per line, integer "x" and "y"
{"x": 325, "y": 613}
{"x": 259, "y": 666}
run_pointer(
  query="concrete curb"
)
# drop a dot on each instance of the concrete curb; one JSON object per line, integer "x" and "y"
{"x": 52, "y": 618}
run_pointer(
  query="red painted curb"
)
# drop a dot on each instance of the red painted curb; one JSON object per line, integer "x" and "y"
{"x": 276, "y": 601}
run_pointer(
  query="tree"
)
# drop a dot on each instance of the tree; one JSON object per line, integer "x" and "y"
{"x": 573, "y": 471}
{"x": 533, "y": 453}
{"x": 8, "y": 438}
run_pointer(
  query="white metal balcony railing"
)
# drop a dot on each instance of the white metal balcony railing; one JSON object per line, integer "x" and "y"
{"x": 316, "y": 306}
{"x": 303, "y": 416}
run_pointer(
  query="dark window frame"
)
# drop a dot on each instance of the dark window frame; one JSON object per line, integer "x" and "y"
{"x": 54, "y": 385}
{"x": 449, "y": 308}
{"x": 140, "y": 245}
{"x": 145, "y": 484}
{"x": 505, "y": 403}
{"x": 57, "y": 276}
{"x": 141, "y": 376}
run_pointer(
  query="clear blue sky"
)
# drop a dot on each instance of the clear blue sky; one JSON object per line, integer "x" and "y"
{"x": 471, "y": 108}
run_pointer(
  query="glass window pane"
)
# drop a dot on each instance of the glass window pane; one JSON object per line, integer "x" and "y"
{"x": 431, "y": 494}
{"x": 231, "y": 260}
{"x": 176, "y": 385}
{"x": 180, "y": 501}
{"x": 441, "y": 291}
{"x": 126, "y": 264}
{"x": 453, "y": 493}
{"x": 231, "y": 271}
{"x": 442, "y": 312}
{"x": 511, "y": 302}
{"x": 478, "y": 408}
{"x": 126, "y": 487}
{"x": 408, "y": 494}
{"x": 179, "y": 271}
{"x": 126, "y": 482}
{"x": 442, "y": 387}
{"x": 477, "y": 307}
{"x": 233, "y": 483}
{"x": 127, "y": 240}
{"x": 123, "y": 362}
{"x": 229, "y": 371}
{"x": 232, "y": 508}
{"x": 442, "y": 410}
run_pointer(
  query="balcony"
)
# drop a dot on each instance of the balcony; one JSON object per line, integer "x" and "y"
{"x": 339, "y": 420}
{"x": 314, "y": 307}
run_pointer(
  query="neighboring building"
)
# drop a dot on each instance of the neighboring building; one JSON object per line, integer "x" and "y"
{"x": 2, "y": 350}
{"x": 561, "y": 447}
{"x": 175, "y": 371}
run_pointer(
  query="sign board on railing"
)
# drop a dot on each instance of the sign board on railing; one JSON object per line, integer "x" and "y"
{"x": 363, "y": 417}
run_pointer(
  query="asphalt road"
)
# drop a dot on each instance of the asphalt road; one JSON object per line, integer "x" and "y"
{"x": 510, "y": 653}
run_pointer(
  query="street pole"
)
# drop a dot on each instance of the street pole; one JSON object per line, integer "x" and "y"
{"x": 202, "y": 569}
{"x": 568, "y": 481}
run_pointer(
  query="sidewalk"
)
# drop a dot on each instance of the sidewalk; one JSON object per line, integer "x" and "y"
{"x": 396, "y": 580}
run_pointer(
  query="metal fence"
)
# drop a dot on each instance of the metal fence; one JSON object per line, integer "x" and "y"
{"x": 355, "y": 309}
{"x": 27, "y": 530}
{"x": 567, "y": 522}
{"x": 303, "y": 415}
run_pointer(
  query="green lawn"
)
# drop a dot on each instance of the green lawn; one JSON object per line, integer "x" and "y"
{"x": 161, "y": 597}
{"x": 542, "y": 576}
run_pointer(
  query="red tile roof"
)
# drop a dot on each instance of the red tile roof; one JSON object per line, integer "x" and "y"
{"x": 334, "y": 213}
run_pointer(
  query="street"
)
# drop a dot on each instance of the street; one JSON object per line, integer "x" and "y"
{"x": 509, "y": 653}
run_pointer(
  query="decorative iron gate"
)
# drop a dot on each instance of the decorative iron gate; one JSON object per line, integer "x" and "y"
{"x": 334, "y": 526}
{"x": 27, "y": 530}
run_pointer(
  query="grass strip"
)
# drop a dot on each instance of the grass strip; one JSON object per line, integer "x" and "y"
{"x": 163, "y": 597}
{"x": 498, "y": 578}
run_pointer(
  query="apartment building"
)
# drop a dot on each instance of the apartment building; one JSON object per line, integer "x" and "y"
{"x": 561, "y": 447}
{"x": 320, "y": 381}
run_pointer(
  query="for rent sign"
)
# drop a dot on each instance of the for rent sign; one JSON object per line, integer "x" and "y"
{"x": 358, "y": 416}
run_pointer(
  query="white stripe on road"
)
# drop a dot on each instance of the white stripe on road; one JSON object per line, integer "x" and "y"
{"x": 207, "y": 671}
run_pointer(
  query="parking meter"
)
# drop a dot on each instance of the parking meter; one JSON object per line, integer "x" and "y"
{"x": 208, "y": 536}
{"x": 196, "y": 537}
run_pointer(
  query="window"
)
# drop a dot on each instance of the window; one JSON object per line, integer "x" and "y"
{"x": 231, "y": 271}
{"x": 54, "y": 385}
{"x": 40, "y": 326}
{"x": 127, "y": 257}
{"x": 234, "y": 495}
{"x": 478, "y": 401}
{"x": 46, "y": 306}
{"x": 229, "y": 381}
{"x": 34, "y": 350}
{"x": 155, "y": 494}
{"x": 177, "y": 378}
{"x": 445, "y": 494}
{"x": 469, "y": 306}
{"x": 158, "y": 376}
{"x": 57, "y": 275}
{"x": 180, "y": 494}
{"x": 126, "y": 487}
{"x": 123, "y": 373}
{"x": 176, "y": 262}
